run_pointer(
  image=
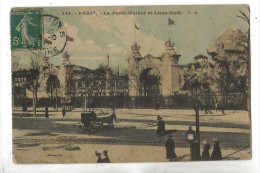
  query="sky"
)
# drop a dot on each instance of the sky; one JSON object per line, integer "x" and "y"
{"x": 195, "y": 29}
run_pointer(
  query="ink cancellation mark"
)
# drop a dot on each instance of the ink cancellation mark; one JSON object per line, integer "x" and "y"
{"x": 54, "y": 37}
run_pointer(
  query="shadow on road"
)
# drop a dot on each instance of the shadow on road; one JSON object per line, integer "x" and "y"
{"x": 192, "y": 123}
{"x": 127, "y": 136}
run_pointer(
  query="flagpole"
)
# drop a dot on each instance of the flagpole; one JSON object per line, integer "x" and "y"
{"x": 169, "y": 31}
{"x": 135, "y": 34}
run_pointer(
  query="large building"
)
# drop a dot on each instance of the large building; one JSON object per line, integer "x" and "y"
{"x": 66, "y": 84}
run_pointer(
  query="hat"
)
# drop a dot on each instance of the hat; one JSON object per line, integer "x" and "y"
{"x": 105, "y": 152}
{"x": 215, "y": 140}
{"x": 205, "y": 141}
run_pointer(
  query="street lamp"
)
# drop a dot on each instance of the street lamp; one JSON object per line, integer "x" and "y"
{"x": 190, "y": 136}
{"x": 194, "y": 144}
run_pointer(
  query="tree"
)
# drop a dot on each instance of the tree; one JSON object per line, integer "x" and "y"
{"x": 53, "y": 86}
{"x": 34, "y": 81}
{"x": 197, "y": 82}
{"x": 231, "y": 56}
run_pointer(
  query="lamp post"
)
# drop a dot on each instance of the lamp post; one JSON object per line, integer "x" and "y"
{"x": 190, "y": 136}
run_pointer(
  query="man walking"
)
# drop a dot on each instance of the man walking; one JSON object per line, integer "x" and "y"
{"x": 106, "y": 159}
{"x": 46, "y": 112}
{"x": 160, "y": 126}
{"x": 63, "y": 111}
{"x": 170, "y": 148}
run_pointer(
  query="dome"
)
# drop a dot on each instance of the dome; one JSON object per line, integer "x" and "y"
{"x": 65, "y": 55}
{"x": 135, "y": 47}
{"x": 169, "y": 44}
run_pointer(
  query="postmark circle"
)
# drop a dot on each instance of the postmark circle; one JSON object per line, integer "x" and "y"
{"x": 53, "y": 36}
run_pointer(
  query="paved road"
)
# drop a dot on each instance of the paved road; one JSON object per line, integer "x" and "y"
{"x": 134, "y": 128}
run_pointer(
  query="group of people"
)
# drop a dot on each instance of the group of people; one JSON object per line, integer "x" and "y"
{"x": 170, "y": 145}
{"x": 220, "y": 107}
{"x": 46, "y": 110}
{"x": 105, "y": 159}
{"x": 216, "y": 153}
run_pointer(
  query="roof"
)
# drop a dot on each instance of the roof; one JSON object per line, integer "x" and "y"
{"x": 231, "y": 40}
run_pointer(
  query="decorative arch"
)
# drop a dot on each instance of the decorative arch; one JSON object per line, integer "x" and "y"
{"x": 166, "y": 65}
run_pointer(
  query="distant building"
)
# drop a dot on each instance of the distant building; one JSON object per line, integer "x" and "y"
{"x": 67, "y": 82}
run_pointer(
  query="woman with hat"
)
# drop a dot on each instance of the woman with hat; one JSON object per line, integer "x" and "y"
{"x": 170, "y": 148}
{"x": 160, "y": 126}
{"x": 205, "y": 153}
{"x": 216, "y": 153}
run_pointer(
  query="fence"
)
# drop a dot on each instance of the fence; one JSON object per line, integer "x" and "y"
{"x": 177, "y": 101}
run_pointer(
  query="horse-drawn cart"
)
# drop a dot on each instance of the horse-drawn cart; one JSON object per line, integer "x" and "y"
{"x": 92, "y": 122}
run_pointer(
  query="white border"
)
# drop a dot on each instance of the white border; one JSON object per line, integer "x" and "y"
{"x": 6, "y": 164}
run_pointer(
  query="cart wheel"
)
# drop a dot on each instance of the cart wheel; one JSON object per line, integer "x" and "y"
{"x": 80, "y": 126}
{"x": 93, "y": 128}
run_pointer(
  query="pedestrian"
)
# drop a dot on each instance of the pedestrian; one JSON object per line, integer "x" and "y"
{"x": 160, "y": 126}
{"x": 99, "y": 160}
{"x": 46, "y": 112}
{"x": 114, "y": 111}
{"x": 223, "y": 109}
{"x": 217, "y": 107}
{"x": 24, "y": 109}
{"x": 63, "y": 111}
{"x": 157, "y": 105}
{"x": 216, "y": 153}
{"x": 205, "y": 153}
{"x": 170, "y": 148}
{"x": 106, "y": 159}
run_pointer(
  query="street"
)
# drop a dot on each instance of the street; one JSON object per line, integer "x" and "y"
{"x": 133, "y": 138}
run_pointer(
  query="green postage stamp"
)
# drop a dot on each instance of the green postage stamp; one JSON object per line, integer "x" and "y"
{"x": 26, "y": 29}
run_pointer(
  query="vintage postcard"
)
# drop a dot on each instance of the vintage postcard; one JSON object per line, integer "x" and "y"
{"x": 121, "y": 84}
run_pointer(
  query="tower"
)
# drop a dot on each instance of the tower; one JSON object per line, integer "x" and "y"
{"x": 174, "y": 58}
{"x": 65, "y": 75}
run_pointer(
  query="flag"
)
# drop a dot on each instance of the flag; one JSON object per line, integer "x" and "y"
{"x": 46, "y": 41}
{"x": 170, "y": 22}
{"x": 70, "y": 38}
{"x": 136, "y": 26}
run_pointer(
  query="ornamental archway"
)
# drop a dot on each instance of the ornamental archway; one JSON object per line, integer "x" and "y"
{"x": 150, "y": 80}
{"x": 166, "y": 65}
{"x": 53, "y": 85}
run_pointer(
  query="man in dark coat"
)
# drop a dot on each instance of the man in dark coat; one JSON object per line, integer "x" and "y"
{"x": 216, "y": 153}
{"x": 99, "y": 160}
{"x": 63, "y": 111}
{"x": 106, "y": 159}
{"x": 170, "y": 147}
{"x": 157, "y": 105}
{"x": 160, "y": 126}
{"x": 46, "y": 112}
{"x": 205, "y": 153}
{"x": 222, "y": 109}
